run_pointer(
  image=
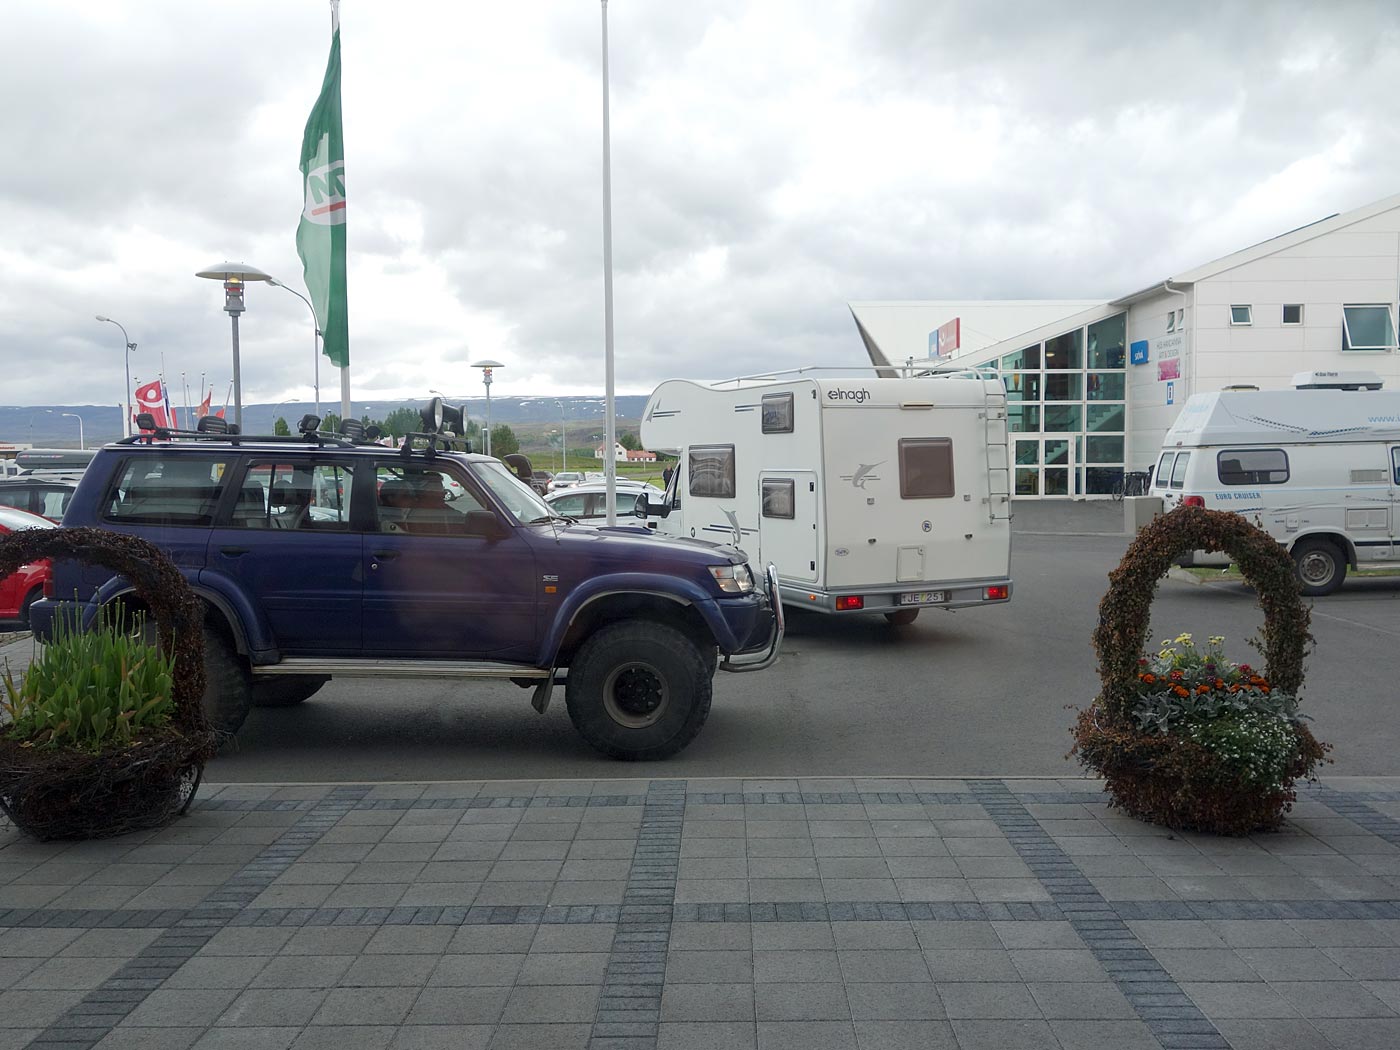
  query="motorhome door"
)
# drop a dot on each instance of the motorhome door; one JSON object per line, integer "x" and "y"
{"x": 787, "y": 524}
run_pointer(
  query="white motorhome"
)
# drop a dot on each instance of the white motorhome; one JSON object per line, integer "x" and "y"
{"x": 869, "y": 494}
{"x": 1317, "y": 466}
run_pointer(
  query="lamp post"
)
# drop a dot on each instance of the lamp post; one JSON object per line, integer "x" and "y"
{"x": 126, "y": 360}
{"x": 315, "y": 339}
{"x": 234, "y": 276}
{"x": 73, "y": 415}
{"x": 486, "y": 367}
{"x": 563, "y": 434}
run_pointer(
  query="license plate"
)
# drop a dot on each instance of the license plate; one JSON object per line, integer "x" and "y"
{"x": 922, "y": 598}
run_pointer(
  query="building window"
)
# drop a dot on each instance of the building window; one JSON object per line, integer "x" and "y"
{"x": 1102, "y": 417}
{"x": 1368, "y": 327}
{"x": 1252, "y": 466}
{"x": 1022, "y": 386}
{"x": 1064, "y": 386}
{"x": 1061, "y": 418}
{"x": 1022, "y": 419}
{"x": 1108, "y": 342}
{"x": 777, "y": 413}
{"x": 1029, "y": 358}
{"x": 1104, "y": 450}
{"x": 711, "y": 469}
{"x": 1241, "y": 315}
{"x": 1293, "y": 313}
{"x": 1181, "y": 320}
{"x": 779, "y": 498}
{"x": 1105, "y": 386}
{"x": 1065, "y": 351}
{"x": 925, "y": 468}
{"x": 1171, "y": 321}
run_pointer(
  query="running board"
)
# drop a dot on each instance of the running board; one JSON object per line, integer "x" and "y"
{"x": 368, "y": 668}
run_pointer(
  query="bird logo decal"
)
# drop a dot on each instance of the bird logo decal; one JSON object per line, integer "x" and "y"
{"x": 862, "y": 475}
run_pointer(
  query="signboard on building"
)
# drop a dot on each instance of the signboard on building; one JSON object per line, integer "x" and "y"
{"x": 1138, "y": 352}
{"x": 1167, "y": 349}
{"x": 944, "y": 340}
{"x": 1171, "y": 392}
{"x": 1170, "y": 369}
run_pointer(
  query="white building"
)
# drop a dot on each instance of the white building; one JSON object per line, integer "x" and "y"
{"x": 1094, "y": 385}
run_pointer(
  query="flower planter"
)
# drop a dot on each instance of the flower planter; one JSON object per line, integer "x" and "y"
{"x": 69, "y": 792}
{"x": 1171, "y": 777}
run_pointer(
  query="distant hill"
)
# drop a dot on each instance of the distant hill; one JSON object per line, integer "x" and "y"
{"x": 44, "y": 426}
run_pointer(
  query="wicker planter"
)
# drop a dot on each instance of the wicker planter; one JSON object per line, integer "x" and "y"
{"x": 1167, "y": 778}
{"x": 69, "y": 793}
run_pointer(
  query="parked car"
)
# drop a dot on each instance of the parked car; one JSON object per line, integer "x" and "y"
{"x": 47, "y": 497}
{"x": 589, "y": 500}
{"x": 22, "y": 588}
{"x": 564, "y": 479}
{"x": 539, "y": 481}
{"x": 318, "y": 557}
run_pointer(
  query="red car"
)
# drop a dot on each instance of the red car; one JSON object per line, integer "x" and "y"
{"x": 21, "y": 588}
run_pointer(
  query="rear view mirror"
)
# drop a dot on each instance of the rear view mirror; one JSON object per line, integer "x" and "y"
{"x": 650, "y": 508}
{"x": 484, "y": 524}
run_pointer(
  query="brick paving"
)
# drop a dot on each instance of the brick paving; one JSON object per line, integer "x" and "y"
{"x": 764, "y": 914}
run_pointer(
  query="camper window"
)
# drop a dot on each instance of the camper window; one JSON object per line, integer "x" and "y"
{"x": 779, "y": 498}
{"x": 1252, "y": 466}
{"x": 1179, "y": 470}
{"x": 1367, "y": 328}
{"x": 1241, "y": 315}
{"x": 1164, "y": 470}
{"x": 777, "y": 413}
{"x": 711, "y": 471}
{"x": 925, "y": 468}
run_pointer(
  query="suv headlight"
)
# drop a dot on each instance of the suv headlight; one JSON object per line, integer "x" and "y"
{"x": 733, "y": 579}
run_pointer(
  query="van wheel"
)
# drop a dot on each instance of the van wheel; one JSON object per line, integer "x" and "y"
{"x": 228, "y": 686}
{"x": 286, "y": 690}
{"x": 1319, "y": 565}
{"x": 900, "y": 617}
{"x": 639, "y": 691}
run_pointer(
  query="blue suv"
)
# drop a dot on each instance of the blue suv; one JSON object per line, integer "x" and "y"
{"x": 319, "y": 555}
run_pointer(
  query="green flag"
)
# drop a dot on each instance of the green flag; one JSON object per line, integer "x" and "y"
{"x": 321, "y": 235}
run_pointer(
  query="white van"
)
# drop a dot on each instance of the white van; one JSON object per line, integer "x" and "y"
{"x": 1317, "y": 466}
{"x": 869, "y": 494}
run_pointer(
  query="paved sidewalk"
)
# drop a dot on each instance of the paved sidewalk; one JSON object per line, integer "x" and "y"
{"x": 706, "y": 914}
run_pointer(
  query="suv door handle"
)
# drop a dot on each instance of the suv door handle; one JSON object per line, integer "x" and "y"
{"x": 385, "y": 555}
{"x": 233, "y": 552}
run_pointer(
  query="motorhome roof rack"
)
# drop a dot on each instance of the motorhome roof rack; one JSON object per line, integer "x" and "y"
{"x": 923, "y": 369}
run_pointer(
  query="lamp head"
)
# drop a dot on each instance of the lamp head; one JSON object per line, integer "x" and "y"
{"x": 101, "y": 318}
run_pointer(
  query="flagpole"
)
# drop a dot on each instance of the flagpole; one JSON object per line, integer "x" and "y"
{"x": 189, "y": 419}
{"x": 610, "y": 424}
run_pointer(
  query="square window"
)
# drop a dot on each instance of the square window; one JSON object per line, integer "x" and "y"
{"x": 779, "y": 498}
{"x": 1064, "y": 386}
{"x": 1106, "y": 417}
{"x": 1106, "y": 386}
{"x": 1022, "y": 386}
{"x": 1241, "y": 315}
{"x": 1027, "y": 481}
{"x": 1171, "y": 321}
{"x": 1293, "y": 313}
{"x": 711, "y": 471}
{"x": 777, "y": 413}
{"x": 1368, "y": 327}
{"x": 1065, "y": 351}
{"x": 1105, "y": 449}
{"x": 925, "y": 468}
{"x": 1061, "y": 418}
{"x": 1022, "y": 419}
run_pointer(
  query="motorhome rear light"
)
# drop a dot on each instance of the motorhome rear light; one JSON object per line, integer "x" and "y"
{"x": 998, "y": 593}
{"x": 1194, "y": 501}
{"x": 850, "y": 603}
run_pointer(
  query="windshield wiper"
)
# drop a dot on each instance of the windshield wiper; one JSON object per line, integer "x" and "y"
{"x": 552, "y": 517}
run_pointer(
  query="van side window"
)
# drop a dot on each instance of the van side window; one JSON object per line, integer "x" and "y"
{"x": 1164, "y": 470}
{"x": 181, "y": 490}
{"x": 777, "y": 413}
{"x": 711, "y": 471}
{"x": 779, "y": 498}
{"x": 925, "y": 468}
{"x": 1395, "y": 464}
{"x": 1179, "y": 469}
{"x": 1252, "y": 466}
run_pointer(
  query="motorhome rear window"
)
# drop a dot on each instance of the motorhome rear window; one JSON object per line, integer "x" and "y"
{"x": 711, "y": 471}
{"x": 925, "y": 468}
{"x": 1252, "y": 466}
{"x": 779, "y": 498}
{"x": 1179, "y": 469}
{"x": 777, "y": 413}
{"x": 182, "y": 490}
{"x": 1164, "y": 471}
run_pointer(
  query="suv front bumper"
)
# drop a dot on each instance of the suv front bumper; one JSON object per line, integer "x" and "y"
{"x": 764, "y": 654}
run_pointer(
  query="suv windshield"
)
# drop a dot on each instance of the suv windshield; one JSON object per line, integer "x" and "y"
{"x": 520, "y": 499}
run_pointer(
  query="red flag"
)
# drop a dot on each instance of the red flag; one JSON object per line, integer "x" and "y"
{"x": 203, "y": 409}
{"x": 151, "y": 398}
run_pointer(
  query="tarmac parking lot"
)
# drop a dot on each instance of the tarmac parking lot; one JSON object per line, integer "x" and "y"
{"x": 981, "y": 692}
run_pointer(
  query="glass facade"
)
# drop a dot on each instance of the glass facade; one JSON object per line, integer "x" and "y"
{"x": 1067, "y": 403}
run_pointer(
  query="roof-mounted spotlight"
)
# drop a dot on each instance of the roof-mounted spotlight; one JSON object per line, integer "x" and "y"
{"x": 432, "y": 416}
{"x": 145, "y": 421}
{"x": 454, "y": 420}
{"x": 212, "y": 425}
{"x": 352, "y": 429}
{"x": 309, "y": 424}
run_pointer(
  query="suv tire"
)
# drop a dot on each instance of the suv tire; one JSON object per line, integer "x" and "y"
{"x": 639, "y": 691}
{"x": 1319, "y": 566}
{"x": 228, "y": 688}
{"x": 286, "y": 690}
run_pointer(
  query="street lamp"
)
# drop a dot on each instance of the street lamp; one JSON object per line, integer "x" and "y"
{"x": 73, "y": 415}
{"x": 486, "y": 367}
{"x": 315, "y": 339}
{"x": 234, "y": 276}
{"x": 126, "y": 359}
{"x": 563, "y": 434}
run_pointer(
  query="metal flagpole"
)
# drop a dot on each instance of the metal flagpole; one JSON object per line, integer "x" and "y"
{"x": 189, "y": 416}
{"x": 610, "y": 426}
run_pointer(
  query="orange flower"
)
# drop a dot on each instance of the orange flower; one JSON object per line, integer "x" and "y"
{"x": 1235, "y": 688}
{"x": 1202, "y": 689}
{"x": 1148, "y": 678}
{"x": 1220, "y": 683}
{"x": 1179, "y": 691}
{"x": 1264, "y": 689}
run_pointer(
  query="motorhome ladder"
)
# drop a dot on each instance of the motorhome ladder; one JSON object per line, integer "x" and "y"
{"x": 998, "y": 448}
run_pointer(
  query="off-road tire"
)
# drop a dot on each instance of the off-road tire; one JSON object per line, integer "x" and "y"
{"x": 902, "y": 617}
{"x": 228, "y": 690}
{"x": 1320, "y": 566}
{"x": 28, "y": 603}
{"x": 623, "y": 668}
{"x": 286, "y": 690}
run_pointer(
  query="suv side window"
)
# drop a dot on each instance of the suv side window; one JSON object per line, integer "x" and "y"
{"x": 303, "y": 495}
{"x": 421, "y": 500}
{"x": 179, "y": 490}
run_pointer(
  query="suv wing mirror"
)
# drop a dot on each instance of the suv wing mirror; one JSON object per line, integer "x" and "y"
{"x": 649, "y": 508}
{"x": 484, "y": 524}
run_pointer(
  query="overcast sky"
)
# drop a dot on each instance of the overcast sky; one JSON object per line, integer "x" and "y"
{"x": 772, "y": 159}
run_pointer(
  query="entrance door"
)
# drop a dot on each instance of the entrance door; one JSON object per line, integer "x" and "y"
{"x": 787, "y": 525}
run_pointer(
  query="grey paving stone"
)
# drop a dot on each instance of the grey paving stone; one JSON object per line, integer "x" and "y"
{"x": 1057, "y": 964}
{"x": 1330, "y": 999}
{"x": 956, "y": 934}
{"x": 861, "y": 935}
{"x": 1251, "y": 933}
{"x": 1188, "y": 933}
{"x": 1301, "y": 964}
{"x": 1380, "y": 1033}
{"x": 713, "y": 1035}
{"x": 441, "y": 1037}
{"x": 318, "y": 941}
{"x": 1103, "y": 1035}
{"x": 713, "y": 936}
{"x": 472, "y": 940}
{"x": 1005, "y": 1034}
{"x": 545, "y": 1003}
{"x": 895, "y": 1001}
{"x": 805, "y": 1001}
{"x": 410, "y": 940}
{"x": 563, "y": 968}
{"x": 71, "y": 973}
{"x": 885, "y": 966}
{"x": 1272, "y": 1034}
{"x": 794, "y": 936}
{"x": 218, "y": 971}
{"x": 905, "y": 1035}
{"x": 1037, "y": 934}
{"x": 707, "y": 1002}
{"x": 387, "y": 971}
{"x": 372, "y": 1006}
{"x": 1225, "y": 999}
{"x": 1206, "y": 964}
{"x": 177, "y": 1008}
{"x": 988, "y": 1000}
{"x": 955, "y": 965}
{"x": 1081, "y": 1000}
{"x": 130, "y": 1038}
{"x": 1367, "y": 963}
{"x": 798, "y": 965}
{"x": 806, "y": 1035}
{"x": 264, "y": 1038}
{"x": 275, "y": 1007}
{"x": 540, "y": 1037}
{"x": 691, "y": 967}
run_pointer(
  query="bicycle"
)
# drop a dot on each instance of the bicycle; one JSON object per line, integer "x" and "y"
{"x": 1132, "y": 483}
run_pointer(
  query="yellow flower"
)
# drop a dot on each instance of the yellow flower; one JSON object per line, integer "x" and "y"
{"x": 1183, "y": 639}
{"x": 1217, "y": 639}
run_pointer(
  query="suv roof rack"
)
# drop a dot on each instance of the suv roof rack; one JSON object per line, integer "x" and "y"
{"x": 433, "y": 442}
{"x": 155, "y": 434}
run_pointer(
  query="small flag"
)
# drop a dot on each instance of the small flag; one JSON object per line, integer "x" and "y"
{"x": 151, "y": 398}
{"x": 203, "y": 409}
{"x": 321, "y": 234}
